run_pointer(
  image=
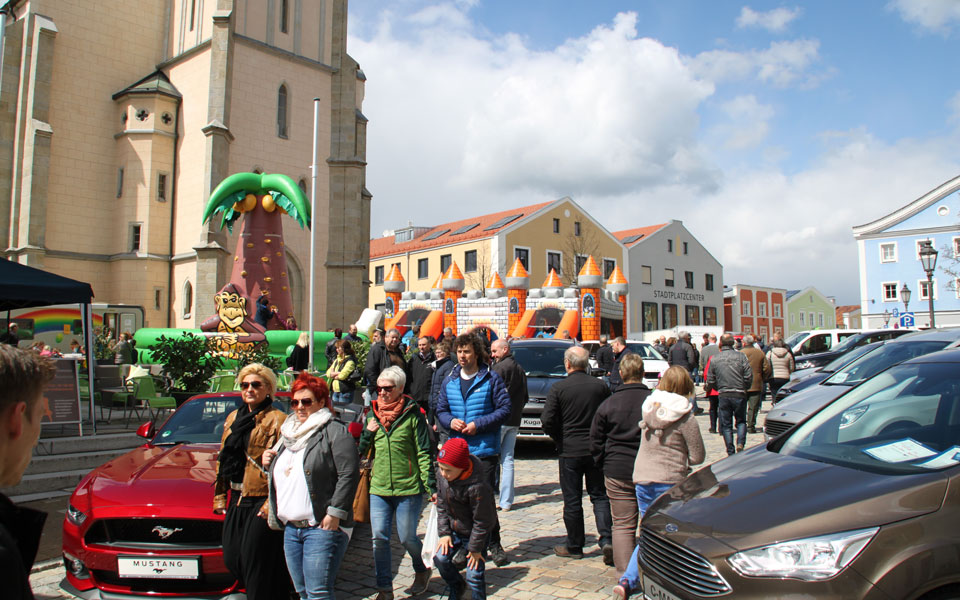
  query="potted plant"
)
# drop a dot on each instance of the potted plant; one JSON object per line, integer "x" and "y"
{"x": 188, "y": 364}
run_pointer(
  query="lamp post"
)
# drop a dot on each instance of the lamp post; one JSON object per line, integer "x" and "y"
{"x": 886, "y": 318}
{"x": 928, "y": 258}
{"x": 905, "y": 297}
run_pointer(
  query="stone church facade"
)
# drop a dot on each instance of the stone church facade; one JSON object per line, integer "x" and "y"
{"x": 118, "y": 118}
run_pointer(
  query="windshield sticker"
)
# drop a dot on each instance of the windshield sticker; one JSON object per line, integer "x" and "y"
{"x": 900, "y": 451}
{"x": 165, "y": 433}
{"x": 839, "y": 377}
{"x": 947, "y": 458}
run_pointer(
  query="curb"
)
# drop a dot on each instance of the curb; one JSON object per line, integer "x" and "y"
{"x": 46, "y": 565}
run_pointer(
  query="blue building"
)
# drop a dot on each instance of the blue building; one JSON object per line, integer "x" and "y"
{"x": 888, "y": 249}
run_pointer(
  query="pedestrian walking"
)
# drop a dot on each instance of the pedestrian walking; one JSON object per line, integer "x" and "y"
{"x": 515, "y": 380}
{"x": 402, "y": 473}
{"x": 619, "y": 347}
{"x": 761, "y": 373}
{"x": 614, "y": 440}
{"x": 420, "y": 368}
{"x": 23, "y": 377}
{"x": 567, "y": 418}
{"x": 473, "y": 404}
{"x": 605, "y": 360}
{"x": 782, "y": 364}
{"x": 730, "y": 374}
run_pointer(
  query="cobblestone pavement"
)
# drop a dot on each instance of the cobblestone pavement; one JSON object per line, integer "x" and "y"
{"x": 530, "y": 530}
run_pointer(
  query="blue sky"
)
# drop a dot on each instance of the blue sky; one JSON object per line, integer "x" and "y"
{"x": 769, "y": 129}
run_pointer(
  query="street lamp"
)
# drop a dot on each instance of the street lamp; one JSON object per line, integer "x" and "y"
{"x": 886, "y": 318}
{"x": 928, "y": 258}
{"x": 905, "y": 296}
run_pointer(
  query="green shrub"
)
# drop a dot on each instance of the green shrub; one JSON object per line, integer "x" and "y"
{"x": 189, "y": 361}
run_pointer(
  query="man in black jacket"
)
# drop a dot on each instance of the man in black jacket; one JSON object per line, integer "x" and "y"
{"x": 619, "y": 347}
{"x": 420, "y": 368}
{"x": 382, "y": 355}
{"x": 515, "y": 379}
{"x": 605, "y": 360}
{"x": 731, "y": 375}
{"x": 22, "y": 378}
{"x": 567, "y": 417}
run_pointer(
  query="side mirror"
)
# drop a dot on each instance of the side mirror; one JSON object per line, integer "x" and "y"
{"x": 147, "y": 430}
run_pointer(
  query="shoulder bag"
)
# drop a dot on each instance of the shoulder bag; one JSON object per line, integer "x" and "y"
{"x": 361, "y": 501}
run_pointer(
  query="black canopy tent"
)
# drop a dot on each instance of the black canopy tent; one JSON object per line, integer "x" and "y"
{"x": 25, "y": 287}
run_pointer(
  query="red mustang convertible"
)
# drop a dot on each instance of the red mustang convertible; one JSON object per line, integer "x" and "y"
{"x": 143, "y": 523}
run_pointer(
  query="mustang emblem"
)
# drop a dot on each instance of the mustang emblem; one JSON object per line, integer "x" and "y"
{"x": 165, "y": 532}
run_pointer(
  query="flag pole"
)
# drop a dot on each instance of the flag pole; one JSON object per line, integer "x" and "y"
{"x": 313, "y": 228}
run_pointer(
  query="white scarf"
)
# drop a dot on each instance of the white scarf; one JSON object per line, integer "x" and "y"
{"x": 295, "y": 435}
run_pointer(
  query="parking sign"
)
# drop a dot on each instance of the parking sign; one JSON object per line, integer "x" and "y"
{"x": 906, "y": 319}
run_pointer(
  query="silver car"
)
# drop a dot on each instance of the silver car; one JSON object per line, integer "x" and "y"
{"x": 799, "y": 406}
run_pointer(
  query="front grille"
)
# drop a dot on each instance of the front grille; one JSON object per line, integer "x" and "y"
{"x": 211, "y": 583}
{"x": 773, "y": 428}
{"x": 684, "y": 568}
{"x": 651, "y": 375}
{"x": 196, "y": 533}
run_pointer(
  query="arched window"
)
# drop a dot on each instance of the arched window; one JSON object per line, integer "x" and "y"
{"x": 187, "y": 308}
{"x": 282, "y": 111}
{"x": 303, "y": 185}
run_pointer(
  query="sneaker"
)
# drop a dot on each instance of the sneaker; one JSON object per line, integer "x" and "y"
{"x": 607, "y": 554}
{"x": 751, "y": 429}
{"x": 498, "y": 555}
{"x": 562, "y": 550}
{"x": 384, "y": 595}
{"x": 420, "y": 582}
{"x": 460, "y": 559}
{"x": 739, "y": 447}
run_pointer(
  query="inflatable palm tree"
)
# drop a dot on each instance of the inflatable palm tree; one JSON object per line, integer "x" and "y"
{"x": 260, "y": 263}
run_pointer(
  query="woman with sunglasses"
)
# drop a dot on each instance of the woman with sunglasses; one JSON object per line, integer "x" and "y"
{"x": 401, "y": 474}
{"x": 313, "y": 479}
{"x": 251, "y": 550}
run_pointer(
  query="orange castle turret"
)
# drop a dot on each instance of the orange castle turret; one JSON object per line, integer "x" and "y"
{"x": 552, "y": 281}
{"x": 590, "y": 279}
{"x": 617, "y": 284}
{"x": 453, "y": 285}
{"x": 518, "y": 283}
{"x": 394, "y": 285}
{"x": 494, "y": 286}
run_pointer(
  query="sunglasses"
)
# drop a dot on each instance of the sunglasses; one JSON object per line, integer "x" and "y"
{"x": 254, "y": 384}
{"x": 385, "y": 388}
{"x": 304, "y": 403}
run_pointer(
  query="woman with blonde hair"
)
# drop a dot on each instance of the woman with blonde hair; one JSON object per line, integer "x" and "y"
{"x": 670, "y": 442}
{"x": 252, "y": 552}
{"x": 300, "y": 355}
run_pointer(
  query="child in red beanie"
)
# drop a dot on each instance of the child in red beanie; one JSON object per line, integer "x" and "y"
{"x": 466, "y": 514}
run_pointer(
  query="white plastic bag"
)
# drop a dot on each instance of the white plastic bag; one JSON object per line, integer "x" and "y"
{"x": 431, "y": 538}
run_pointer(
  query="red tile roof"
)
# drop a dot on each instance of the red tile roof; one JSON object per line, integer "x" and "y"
{"x": 641, "y": 231}
{"x": 385, "y": 246}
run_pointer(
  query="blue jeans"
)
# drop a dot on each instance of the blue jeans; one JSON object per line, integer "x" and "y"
{"x": 631, "y": 577}
{"x": 450, "y": 574}
{"x": 733, "y": 407}
{"x": 313, "y": 559}
{"x": 407, "y": 511}
{"x": 647, "y": 493}
{"x": 508, "y": 441}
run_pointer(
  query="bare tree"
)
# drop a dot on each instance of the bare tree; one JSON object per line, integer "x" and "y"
{"x": 477, "y": 280}
{"x": 583, "y": 245}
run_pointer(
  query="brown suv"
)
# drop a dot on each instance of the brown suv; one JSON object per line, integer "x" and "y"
{"x": 860, "y": 500}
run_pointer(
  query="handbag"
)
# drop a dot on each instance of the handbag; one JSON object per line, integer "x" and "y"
{"x": 431, "y": 537}
{"x": 361, "y": 501}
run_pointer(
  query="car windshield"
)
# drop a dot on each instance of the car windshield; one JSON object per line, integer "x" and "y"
{"x": 200, "y": 420}
{"x": 644, "y": 350}
{"x": 872, "y": 363}
{"x": 847, "y": 343}
{"x": 795, "y": 338}
{"x": 905, "y": 420}
{"x": 540, "y": 360}
{"x": 847, "y": 357}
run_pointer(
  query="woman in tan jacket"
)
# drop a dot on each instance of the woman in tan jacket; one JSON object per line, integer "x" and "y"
{"x": 251, "y": 550}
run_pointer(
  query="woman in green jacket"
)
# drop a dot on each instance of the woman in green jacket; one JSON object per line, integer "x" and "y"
{"x": 338, "y": 375}
{"x": 402, "y": 473}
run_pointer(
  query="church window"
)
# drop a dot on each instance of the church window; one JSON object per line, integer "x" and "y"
{"x": 282, "y": 111}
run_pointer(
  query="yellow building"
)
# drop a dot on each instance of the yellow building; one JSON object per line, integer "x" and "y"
{"x": 556, "y": 234}
{"x": 118, "y": 118}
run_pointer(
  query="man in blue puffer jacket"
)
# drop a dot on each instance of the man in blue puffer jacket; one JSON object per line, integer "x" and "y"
{"x": 472, "y": 404}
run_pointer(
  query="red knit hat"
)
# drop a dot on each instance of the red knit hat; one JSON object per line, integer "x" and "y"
{"x": 455, "y": 453}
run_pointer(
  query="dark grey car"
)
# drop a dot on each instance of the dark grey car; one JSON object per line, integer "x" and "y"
{"x": 542, "y": 360}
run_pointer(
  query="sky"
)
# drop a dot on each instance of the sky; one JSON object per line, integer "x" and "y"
{"x": 770, "y": 129}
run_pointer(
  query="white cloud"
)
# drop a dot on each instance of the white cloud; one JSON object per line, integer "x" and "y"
{"x": 783, "y": 64}
{"x": 747, "y": 123}
{"x": 775, "y": 20}
{"x": 936, "y": 15}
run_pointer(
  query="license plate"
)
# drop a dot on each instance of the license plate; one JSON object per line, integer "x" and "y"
{"x": 528, "y": 422}
{"x": 652, "y": 591}
{"x": 153, "y": 567}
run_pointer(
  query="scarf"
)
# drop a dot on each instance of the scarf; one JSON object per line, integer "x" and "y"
{"x": 233, "y": 454}
{"x": 388, "y": 413}
{"x": 294, "y": 435}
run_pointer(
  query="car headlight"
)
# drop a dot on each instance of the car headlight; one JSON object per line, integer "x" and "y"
{"x": 75, "y": 515}
{"x": 810, "y": 559}
{"x": 849, "y": 417}
{"x": 804, "y": 365}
